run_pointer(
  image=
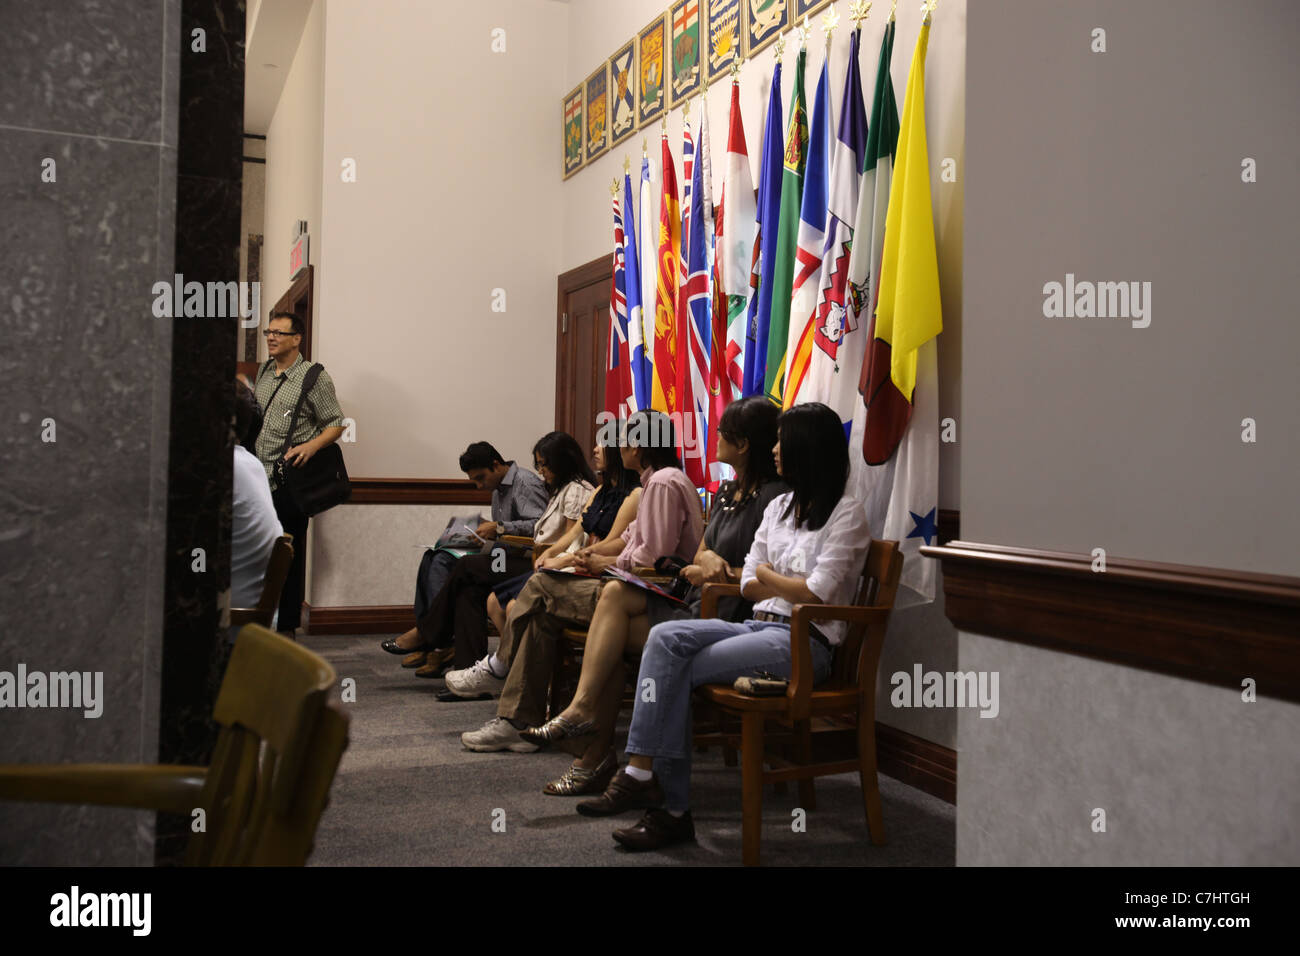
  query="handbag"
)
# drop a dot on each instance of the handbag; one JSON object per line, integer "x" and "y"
{"x": 671, "y": 566}
{"x": 322, "y": 482}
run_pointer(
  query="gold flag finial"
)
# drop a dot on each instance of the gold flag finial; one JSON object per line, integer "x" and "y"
{"x": 804, "y": 30}
{"x": 686, "y": 110}
{"x": 830, "y": 20}
{"x": 927, "y": 8}
{"x": 780, "y": 46}
{"x": 627, "y": 165}
{"x": 613, "y": 187}
{"x": 645, "y": 146}
{"x": 735, "y": 70}
{"x": 858, "y": 11}
{"x": 893, "y": 11}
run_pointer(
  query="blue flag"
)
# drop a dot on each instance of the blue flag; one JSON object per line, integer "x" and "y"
{"x": 635, "y": 319}
{"x": 769, "y": 212}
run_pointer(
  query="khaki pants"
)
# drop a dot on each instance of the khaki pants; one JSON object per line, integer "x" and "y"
{"x": 547, "y": 604}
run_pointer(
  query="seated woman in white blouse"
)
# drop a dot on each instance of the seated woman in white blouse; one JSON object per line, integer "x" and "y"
{"x": 809, "y": 549}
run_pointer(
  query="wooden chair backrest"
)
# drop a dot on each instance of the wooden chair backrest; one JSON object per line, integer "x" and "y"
{"x": 277, "y": 569}
{"x": 877, "y": 587}
{"x": 276, "y": 754}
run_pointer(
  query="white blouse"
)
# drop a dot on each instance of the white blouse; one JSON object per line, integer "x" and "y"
{"x": 563, "y": 506}
{"x": 830, "y": 558}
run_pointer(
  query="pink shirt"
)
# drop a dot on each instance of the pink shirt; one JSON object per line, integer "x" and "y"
{"x": 669, "y": 520}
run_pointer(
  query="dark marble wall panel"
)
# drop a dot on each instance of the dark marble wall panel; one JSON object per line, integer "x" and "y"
{"x": 92, "y": 67}
{"x": 209, "y": 180}
{"x": 82, "y": 518}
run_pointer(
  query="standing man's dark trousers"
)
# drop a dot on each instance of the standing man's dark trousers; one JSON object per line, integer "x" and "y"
{"x": 435, "y": 569}
{"x": 294, "y": 523}
{"x": 459, "y": 612}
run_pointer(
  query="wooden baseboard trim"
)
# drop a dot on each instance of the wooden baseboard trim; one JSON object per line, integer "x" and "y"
{"x": 377, "y": 619}
{"x": 917, "y": 762}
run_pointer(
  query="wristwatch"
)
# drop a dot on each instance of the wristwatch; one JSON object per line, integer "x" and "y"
{"x": 501, "y": 529}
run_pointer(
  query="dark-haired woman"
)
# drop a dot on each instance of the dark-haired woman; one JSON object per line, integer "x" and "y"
{"x": 809, "y": 549}
{"x": 459, "y": 613}
{"x": 624, "y": 614}
{"x": 606, "y": 513}
{"x": 669, "y": 521}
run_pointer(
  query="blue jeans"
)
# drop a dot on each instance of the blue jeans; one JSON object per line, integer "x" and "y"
{"x": 680, "y": 656}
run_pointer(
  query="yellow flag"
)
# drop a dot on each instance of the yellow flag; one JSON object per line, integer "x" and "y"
{"x": 908, "y": 313}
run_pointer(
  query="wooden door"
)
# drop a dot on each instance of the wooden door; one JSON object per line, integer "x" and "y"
{"x": 581, "y": 338}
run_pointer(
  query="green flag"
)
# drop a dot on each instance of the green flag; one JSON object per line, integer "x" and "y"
{"x": 787, "y": 240}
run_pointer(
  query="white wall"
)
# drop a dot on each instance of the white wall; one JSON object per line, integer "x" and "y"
{"x": 293, "y": 164}
{"x": 452, "y": 201}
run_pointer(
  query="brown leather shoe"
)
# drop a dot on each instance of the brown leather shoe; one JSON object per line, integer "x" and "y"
{"x": 624, "y": 793}
{"x": 437, "y": 662}
{"x": 656, "y": 830}
{"x": 415, "y": 660}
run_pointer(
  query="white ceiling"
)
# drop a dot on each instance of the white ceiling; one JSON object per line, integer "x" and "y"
{"x": 275, "y": 27}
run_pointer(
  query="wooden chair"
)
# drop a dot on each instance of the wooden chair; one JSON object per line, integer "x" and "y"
{"x": 517, "y": 540}
{"x": 277, "y": 569}
{"x": 268, "y": 784}
{"x": 850, "y": 688}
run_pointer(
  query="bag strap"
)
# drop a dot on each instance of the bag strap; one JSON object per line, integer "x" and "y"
{"x": 266, "y": 366}
{"x": 308, "y": 382}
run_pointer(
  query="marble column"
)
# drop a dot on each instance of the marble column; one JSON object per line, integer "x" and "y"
{"x": 209, "y": 202}
{"x": 88, "y": 103}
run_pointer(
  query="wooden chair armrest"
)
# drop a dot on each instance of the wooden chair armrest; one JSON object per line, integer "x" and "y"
{"x": 650, "y": 574}
{"x": 799, "y": 691}
{"x": 712, "y": 593}
{"x": 169, "y": 787}
{"x": 239, "y": 616}
{"x": 518, "y": 540}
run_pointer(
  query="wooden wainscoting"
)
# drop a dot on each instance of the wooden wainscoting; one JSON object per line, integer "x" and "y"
{"x": 1207, "y": 624}
{"x": 417, "y": 491}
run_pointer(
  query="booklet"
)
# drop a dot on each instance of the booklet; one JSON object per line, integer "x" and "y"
{"x": 571, "y": 572}
{"x": 459, "y": 537}
{"x": 629, "y": 578}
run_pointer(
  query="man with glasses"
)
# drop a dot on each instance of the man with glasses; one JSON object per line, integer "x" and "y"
{"x": 279, "y": 383}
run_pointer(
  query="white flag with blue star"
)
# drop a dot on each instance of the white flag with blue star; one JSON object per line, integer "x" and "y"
{"x": 905, "y": 490}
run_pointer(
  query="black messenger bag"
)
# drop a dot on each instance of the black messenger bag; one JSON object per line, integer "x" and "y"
{"x": 322, "y": 482}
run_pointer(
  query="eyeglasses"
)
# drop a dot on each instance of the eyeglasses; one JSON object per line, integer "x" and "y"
{"x": 277, "y": 333}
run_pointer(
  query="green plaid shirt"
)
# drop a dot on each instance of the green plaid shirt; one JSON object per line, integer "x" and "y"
{"x": 320, "y": 410}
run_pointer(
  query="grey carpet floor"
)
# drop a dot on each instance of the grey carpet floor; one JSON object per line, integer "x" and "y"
{"x": 408, "y": 794}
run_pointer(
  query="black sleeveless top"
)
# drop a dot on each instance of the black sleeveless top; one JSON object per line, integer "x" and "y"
{"x": 600, "y": 514}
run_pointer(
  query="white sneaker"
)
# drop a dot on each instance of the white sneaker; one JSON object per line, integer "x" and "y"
{"x": 475, "y": 681}
{"x": 496, "y": 734}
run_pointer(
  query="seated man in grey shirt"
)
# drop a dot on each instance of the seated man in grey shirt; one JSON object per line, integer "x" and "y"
{"x": 518, "y": 499}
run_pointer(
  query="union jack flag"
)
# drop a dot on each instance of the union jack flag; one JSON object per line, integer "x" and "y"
{"x": 618, "y": 366}
{"x": 694, "y": 320}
